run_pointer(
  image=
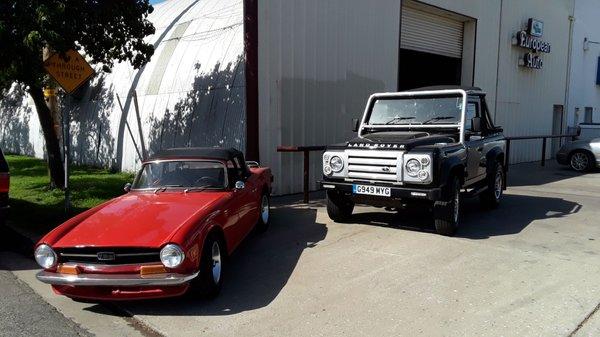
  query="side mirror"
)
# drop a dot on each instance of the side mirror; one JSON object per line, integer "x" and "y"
{"x": 476, "y": 124}
{"x": 239, "y": 185}
{"x": 355, "y": 124}
{"x": 127, "y": 187}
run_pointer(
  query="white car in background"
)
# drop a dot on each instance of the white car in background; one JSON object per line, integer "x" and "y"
{"x": 581, "y": 155}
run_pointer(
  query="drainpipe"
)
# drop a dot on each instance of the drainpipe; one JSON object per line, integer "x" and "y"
{"x": 498, "y": 60}
{"x": 569, "y": 61}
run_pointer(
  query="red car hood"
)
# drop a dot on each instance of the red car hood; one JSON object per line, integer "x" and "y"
{"x": 139, "y": 219}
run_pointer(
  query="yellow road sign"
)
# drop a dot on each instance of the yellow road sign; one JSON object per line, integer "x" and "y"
{"x": 70, "y": 71}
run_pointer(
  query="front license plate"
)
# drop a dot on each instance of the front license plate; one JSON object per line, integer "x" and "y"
{"x": 372, "y": 190}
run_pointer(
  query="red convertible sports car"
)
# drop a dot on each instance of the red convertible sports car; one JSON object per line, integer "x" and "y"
{"x": 186, "y": 211}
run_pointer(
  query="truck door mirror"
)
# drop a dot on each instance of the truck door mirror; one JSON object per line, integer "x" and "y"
{"x": 476, "y": 124}
{"x": 355, "y": 124}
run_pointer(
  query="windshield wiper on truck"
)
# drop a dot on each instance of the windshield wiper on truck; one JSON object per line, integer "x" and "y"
{"x": 398, "y": 119}
{"x": 439, "y": 118}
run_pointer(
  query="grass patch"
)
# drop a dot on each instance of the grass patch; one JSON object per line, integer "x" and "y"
{"x": 37, "y": 209}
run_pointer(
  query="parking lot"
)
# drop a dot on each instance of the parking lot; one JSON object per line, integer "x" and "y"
{"x": 531, "y": 267}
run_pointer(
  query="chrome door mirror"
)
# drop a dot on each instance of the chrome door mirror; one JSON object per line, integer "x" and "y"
{"x": 239, "y": 185}
{"x": 127, "y": 187}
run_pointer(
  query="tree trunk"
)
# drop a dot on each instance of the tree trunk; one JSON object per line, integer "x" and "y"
{"x": 55, "y": 165}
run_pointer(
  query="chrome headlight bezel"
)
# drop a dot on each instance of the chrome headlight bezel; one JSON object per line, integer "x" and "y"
{"x": 45, "y": 256}
{"x": 424, "y": 162}
{"x": 172, "y": 256}
{"x": 336, "y": 163}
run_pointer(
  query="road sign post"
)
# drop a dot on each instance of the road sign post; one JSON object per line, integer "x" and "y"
{"x": 70, "y": 70}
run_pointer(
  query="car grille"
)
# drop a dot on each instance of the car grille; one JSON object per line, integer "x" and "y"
{"x": 109, "y": 256}
{"x": 374, "y": 166}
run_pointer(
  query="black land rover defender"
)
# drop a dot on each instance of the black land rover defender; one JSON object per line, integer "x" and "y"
{"x": 434, "y": 144}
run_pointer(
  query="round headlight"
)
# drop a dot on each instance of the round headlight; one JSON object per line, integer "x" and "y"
{"x": 425, "y": 161}
{"x": 413, "y": 167}
{"x": 171, "y": 255}
{"x": 45, "y": 256}
{"x": 423, "y": 175}
{"x": 326, "y": 158}
{"x": 336, "y": 163}
{"x": 327, "y": 170}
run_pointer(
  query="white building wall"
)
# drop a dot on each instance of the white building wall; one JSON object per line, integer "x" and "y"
{"x": 583, "y": 90}
{"x": 526, "y": 97}
{"x": 318, "y": 63}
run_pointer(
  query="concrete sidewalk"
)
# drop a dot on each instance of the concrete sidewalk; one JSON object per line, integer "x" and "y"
{"x": 529, "y": 268}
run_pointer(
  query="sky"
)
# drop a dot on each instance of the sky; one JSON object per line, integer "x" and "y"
{"x": 154, "y": 2}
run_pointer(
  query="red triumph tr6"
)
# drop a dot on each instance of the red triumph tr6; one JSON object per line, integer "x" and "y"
{"x": 186, "y": 211}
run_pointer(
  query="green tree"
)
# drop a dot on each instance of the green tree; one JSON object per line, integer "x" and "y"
{"x": 107, "y": 31}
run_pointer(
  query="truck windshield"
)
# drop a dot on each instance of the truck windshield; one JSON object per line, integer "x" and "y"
{"x": 181, "y": 174}
{"x": 416, "y": 110}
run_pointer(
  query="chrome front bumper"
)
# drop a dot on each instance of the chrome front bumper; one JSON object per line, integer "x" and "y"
{"x": 129, "y": 280}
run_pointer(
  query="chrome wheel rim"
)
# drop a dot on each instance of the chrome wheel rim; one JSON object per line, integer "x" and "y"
{"x": 456, "y": 205}
{"x": 216, "y": 262}
{"x": 498, "y": 185}
{"x": 264, "y": 209}
{"x": 579, "y": 161}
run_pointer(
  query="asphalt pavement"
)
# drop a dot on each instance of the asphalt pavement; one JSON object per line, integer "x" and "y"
{"x": 25, "y": 313}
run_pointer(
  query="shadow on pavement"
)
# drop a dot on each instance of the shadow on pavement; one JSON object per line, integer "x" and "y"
{"x": 515, "y": 213}
{"x": 533, "y": 174}
{"x": 257, "y": 271}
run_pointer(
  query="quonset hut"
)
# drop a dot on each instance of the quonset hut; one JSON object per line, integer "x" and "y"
{"x": 191, "y": 93}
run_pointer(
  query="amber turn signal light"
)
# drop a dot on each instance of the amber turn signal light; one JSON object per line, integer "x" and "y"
{"x": 149, "y": 270}
{"x": 67, "y": 269}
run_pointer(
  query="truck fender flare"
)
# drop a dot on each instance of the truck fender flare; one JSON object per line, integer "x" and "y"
{"x": 450, "y": 166}
{"x": 493, "y": 155}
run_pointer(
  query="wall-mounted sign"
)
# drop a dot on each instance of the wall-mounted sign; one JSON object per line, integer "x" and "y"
{"x": 530, "y": 38}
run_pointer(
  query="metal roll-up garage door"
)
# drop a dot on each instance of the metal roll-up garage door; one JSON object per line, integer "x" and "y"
{"x": 431, "y": 33}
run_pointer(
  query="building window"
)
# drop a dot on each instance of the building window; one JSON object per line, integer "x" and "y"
{"x": 588, "y": 114}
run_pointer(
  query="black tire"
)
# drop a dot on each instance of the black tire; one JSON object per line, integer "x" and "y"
{"x": 492, "y": 196}
{"x": 263, "y": 220}
{"x": 446, "y": 214}
{"x": 581, "y": 161}
{"x": 207, "y": 285}
{"x": 339, "y": 207}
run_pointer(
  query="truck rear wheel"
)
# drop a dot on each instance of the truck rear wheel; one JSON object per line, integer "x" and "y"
{"x": 339, "y": 207}
{"x": 446, "y": 213}
{"x": 491, "y": 197}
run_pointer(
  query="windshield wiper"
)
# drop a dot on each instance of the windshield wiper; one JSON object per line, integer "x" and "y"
{"x": 164, "y": 188}
{"x": 199, "y": 188}
{"x": 439, "y": 118}
{"x": 398, "y": 119}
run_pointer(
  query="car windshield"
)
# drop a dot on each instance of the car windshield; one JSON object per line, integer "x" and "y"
{"x": 416, "y": 110}
{"x": 181, "y": 174}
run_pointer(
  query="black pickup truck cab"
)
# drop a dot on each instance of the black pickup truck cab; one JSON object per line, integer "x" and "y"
{"x": 434, "y": 145}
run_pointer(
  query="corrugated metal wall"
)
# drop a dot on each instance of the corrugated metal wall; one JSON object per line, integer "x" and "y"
{"x": 318, "y": 63}
{"x": 192, "y": 93}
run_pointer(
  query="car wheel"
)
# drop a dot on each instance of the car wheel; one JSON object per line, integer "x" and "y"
{"x": 212, "y": 262}
{"x": 265, "y": 214}
{"x": 446, "y": 214}
{"x": 581, "y": 161}
{"x": 495, "y": 185}
{"x": 339, "y": 207}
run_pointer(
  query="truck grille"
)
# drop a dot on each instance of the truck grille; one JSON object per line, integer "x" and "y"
{"x": 375, "y": 166}
{"x": 108, "y": 255}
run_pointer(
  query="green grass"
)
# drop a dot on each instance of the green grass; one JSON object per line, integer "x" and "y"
{"x": 36, "y": 208}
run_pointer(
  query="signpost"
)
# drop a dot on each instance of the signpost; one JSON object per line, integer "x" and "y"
{"x": 70, "y": 70}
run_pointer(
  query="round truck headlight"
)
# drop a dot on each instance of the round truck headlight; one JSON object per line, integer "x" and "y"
{"x": 425, "y": 161}
{"x": 336, "y": 163}
{"x": 45, "y": 256}
{"x": 413, "y": 167}
{"x": 171, "y": 255}
{"x": 327, "y": 170}
{"x": 423, "y": 175}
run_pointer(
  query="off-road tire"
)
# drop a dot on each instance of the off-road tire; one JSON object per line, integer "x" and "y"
{"x": 446, "y": 214}
{"x": 339, "y": 207}
{"x": 491, "y": 197}
{"x": 584, "y": 155}
{"x": 263, "y": 222}
{"x": 204, "y": 285}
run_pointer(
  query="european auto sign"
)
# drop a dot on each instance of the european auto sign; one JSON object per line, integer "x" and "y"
{"x": 530, "y": 39}
{"x": 70, "y": 70}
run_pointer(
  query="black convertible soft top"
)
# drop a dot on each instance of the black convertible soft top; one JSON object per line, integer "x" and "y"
{"x": 199, "y": 152}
